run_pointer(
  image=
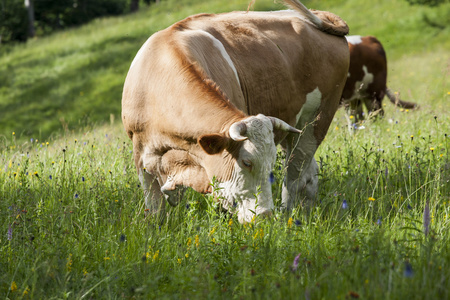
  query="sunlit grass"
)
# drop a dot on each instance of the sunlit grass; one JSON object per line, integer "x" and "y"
{"x": 73, "y": 221}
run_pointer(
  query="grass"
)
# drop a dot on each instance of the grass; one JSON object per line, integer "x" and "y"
{"x": 71, "y": 211}
{"x": 77, "y": 229}
{"x": 74, "y": 78}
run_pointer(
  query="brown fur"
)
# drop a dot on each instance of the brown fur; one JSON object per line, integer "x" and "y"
{"x": 369, "y": 53}
{"x": 181, "y": 90}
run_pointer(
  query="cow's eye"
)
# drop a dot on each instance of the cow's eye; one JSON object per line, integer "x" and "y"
{"x": 247, "y": 163}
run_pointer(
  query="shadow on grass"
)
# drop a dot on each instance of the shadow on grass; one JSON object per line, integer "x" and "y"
{"x": 35, "y": 101}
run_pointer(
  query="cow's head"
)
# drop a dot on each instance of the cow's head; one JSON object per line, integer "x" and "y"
{"x": 242, "y": 161}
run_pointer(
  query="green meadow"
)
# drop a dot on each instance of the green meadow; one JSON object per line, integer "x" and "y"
{"x": 72, "y": 221}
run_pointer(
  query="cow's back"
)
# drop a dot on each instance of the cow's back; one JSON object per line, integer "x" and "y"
{"x": 277, "y": 58}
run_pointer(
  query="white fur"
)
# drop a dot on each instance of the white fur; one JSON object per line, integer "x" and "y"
{"x": 354, "y": 39}
{"x": 251, "y": 191}
{"x": 224, "y": 53}
{"x": 359, "y": 85}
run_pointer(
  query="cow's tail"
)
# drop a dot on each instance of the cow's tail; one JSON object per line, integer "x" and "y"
{"x": 395, "y": 99}
{"x": 323, "y": 20}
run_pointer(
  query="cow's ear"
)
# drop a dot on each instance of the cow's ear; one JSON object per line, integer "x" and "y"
{"x": 213, "y": 143}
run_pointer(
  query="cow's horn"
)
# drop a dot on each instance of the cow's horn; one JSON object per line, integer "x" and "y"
{"x": 237, "y": 131}
{"x": 282, "y": 125}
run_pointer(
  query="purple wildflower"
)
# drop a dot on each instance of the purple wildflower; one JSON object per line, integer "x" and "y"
{"x": 50, "y": 177}
{"x": 295, "y": 263}
{"x": 9, "y": 232}
{"x": 123, "y": 237}
{"x": 271, "y": 178}
{"x": 408, "y": 272}
{"x": 344, "y": 204}
{"x": 426, "y": 219}
{"x": 409, "y": 206}
{"x": 298, "y": 222}
{"x": 82, "y": 178}
{"x": 76, "y": 195}
{"x": 379, "y": 221}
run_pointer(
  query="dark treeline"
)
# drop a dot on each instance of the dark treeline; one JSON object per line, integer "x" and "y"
{"x": 22, "y": 19}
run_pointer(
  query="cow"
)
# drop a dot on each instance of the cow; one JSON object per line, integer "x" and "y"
{"x": 366, "y": 82}
{"x": 207, "y": 100}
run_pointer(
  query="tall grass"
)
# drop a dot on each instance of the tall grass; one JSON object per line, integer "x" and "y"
{"x": 73, "y": 224}
{"x": 72, "y": 218}
{"x": 74, "y": 78}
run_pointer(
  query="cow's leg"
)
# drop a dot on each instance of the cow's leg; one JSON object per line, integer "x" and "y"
{"x": 301, "y": 181}
{"x": 374, "y": 104}
{"x": 301, "y": 178}
{"x": 154, "y": 198}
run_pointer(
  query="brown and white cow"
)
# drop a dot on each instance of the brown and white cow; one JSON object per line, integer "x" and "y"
{"x": 212, "y": 95}
{"x": 367, "y": 75}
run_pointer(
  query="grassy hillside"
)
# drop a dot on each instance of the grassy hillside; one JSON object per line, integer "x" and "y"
{"x": 75, "y": 77}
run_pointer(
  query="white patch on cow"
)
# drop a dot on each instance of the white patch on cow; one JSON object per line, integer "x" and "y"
{"x": 354, "y": 39}
{"x": 139, "y": 54}
{"x": 361, "y": 86}
{"x": 250, "y": 190}
{"x": 224, "y": 53}
{"x": 309, "y": 109}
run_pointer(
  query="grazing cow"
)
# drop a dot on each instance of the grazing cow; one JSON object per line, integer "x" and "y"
{"x": 210, "y": 97}
{"x": 366, "y": 82}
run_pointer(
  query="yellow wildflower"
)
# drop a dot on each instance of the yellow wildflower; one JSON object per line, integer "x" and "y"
{"x": 186, "y": 255}
{"x": 85, "y": 272}
{"x": 69, "y": 263}
{"x": 189, "y": 242}
{"x": 13, "y": 286}
{"x": 371, "y": 199}
{"x": 290, "y": 221}
{"x": 25, "y": 292}
{"x": 197, "y": 241}
{"x": 212, "y": 231}
{"x": 179, "y": 261}
{"x": 432, "y": 149}
{"x": 156, "y": 255}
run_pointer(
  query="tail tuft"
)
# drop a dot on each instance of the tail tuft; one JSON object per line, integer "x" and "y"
{"x": 323, "y": 20}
